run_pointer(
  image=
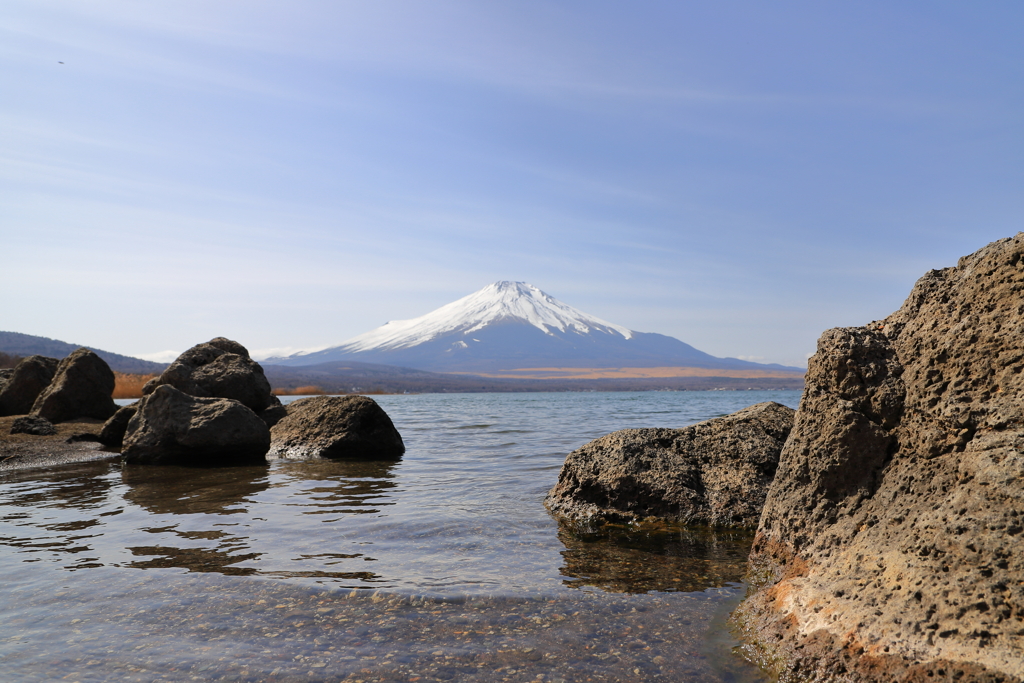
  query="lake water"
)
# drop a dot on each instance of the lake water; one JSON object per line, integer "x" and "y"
{"x": 442, "y": 566}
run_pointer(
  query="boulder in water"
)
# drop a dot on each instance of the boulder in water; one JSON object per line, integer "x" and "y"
{"x": 712, "y": 473}
{"x": 172, "y": 428}
{"x": 341, "y": 427}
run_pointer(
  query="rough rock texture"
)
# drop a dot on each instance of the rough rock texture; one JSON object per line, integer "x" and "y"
{"x": 32, "y": 424}
{"x": 82, "y": 387}
{"x": 336, "y": 427}
{"x": 891, "y": 546}
{"x": 114, "y": 429}
{"x": 22, "y": 388}
{"x": 274, "y": 412}
{"x": 220, "y": 368}
{"x": 715, "y": 472}
{"x": 173, "y": 428}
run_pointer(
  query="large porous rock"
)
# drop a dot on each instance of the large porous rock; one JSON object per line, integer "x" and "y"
{"x": 340, "y": 427}
{"x": 891, "y": 547}
{"x": 26, "y": 382}
{"x": 172, "y": 428}
{"x": 715, "y": 472}
{"x": 113, "y": 431}
{"x": 220, "y": 368}
{"x": 81, "y": 387}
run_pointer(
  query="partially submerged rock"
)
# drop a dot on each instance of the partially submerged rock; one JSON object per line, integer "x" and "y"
{"x": 336, "y": 427}
{"x": 173, "y": 428}
{"x": 890, "y": 548}
{"x": 81, "y": 387}
{"x": 114, "y": 429}
{"x": 715, "y": 473}
{"x": 28, "y": 379}
{"x": 220, "y": 368}
{"x": 32, "y": 424}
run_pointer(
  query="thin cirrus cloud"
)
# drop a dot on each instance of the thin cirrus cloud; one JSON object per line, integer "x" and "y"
{"x": 740, "y": 175}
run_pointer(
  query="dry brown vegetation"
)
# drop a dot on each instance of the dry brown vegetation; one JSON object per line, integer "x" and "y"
{"x": 129, "y": 385}
{"x": 300, "y": 391}
{"x": 8, "y": 360}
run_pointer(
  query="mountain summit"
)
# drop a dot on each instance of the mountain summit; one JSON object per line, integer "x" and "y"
{"x": 512, "y": 326}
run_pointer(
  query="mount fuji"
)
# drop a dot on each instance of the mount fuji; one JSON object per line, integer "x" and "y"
{"x": 514, "y": 326}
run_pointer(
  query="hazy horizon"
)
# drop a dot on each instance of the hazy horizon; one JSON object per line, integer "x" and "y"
{"x": 739, "y": 176}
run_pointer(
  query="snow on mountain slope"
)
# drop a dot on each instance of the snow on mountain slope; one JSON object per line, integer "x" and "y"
{"x": 501, "y": 301}
{"x": 512, "y": 325}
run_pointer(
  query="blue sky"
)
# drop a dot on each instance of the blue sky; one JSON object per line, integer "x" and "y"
{"x": 740, "y": 175}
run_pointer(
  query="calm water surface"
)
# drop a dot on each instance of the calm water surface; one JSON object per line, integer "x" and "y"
{"x": 442, "y": 566}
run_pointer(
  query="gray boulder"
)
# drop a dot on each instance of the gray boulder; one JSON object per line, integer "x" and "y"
{"x": 712, "y": 473}
{"x": 28, "y": 379}
{"x": 34, "y": 425}
{"x": 113, "y": 431}
{"x": 220, "y": 368}
{"x": 890, "y": 546}
{"x": 273, "y": 413}
{"x": 82, "y": 387}
{"x": 173, "y": 428}
{"x": 340, "y": 427}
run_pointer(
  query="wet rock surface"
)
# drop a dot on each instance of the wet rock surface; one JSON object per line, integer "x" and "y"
{"x": 219, "y": 368}
{"x": 336, "y": 427}
{"x": 32, "y": 424}
{"x": 890, "y": 544}
{"x": 173, "y": 428}
{"x": 24, "y": 384}
{"x": 715, "y": 472}
{"x": 81, "y": 387}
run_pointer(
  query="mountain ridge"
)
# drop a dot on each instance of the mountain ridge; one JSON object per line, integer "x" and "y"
{"x": 20, "y": 344}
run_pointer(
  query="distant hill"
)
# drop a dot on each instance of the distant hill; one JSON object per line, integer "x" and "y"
{"x": 18, "y": 344}
{"x": 514, "y": 326}
{"x": 357, "y": 377}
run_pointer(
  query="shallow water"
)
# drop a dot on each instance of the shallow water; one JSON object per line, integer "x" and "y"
{"x": 442, "y": 566}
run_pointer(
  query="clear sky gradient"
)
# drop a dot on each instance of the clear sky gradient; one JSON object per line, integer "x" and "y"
{"x": 740, "y": 175}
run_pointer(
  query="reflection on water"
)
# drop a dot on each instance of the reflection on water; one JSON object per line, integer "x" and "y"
{"x": 443, "y": 565}
{"x": 624, "y": 559}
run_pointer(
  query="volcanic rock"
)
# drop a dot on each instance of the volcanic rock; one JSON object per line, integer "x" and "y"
{"x": 82, "y": 387}
{"x": 33, "y": 424}
{"x": 173, "y": 428}
{"x": 713, "y": 473}
{"x": 890, "y": 547}
{"x": 220, "y": 368}
{"x": 339, "y": 427}
{"x": 26, "y": 382}
{"x": 114, "y": 429}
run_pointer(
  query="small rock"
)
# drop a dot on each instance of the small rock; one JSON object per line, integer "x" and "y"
{"x": 33, "y": 424}
{"x": 114, "y": 429}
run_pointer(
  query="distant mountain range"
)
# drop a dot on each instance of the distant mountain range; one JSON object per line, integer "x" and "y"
{"x": 513, "y": 329}
{"x": 18, "y": 344}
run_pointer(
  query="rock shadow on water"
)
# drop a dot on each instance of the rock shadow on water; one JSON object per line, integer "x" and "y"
{"x": 192, "y": 490}
{"x": 332, "y": 487}
{"x": 652, "y": 557}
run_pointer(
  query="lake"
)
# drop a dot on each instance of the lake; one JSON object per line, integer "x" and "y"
{"x": 442, "y": 566}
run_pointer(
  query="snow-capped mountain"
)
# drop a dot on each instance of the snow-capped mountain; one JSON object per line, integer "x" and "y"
{"x": 513, "y": 325}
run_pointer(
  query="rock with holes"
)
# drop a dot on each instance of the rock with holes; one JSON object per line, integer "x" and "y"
{"x": 81, "y": 387}
{"x": 170, "y": 427}
{"x": 890, "y": 547}
{"x": 336, "y": 427}
{"x": 714, "y": 473}
{"x": 28, "y": 379}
